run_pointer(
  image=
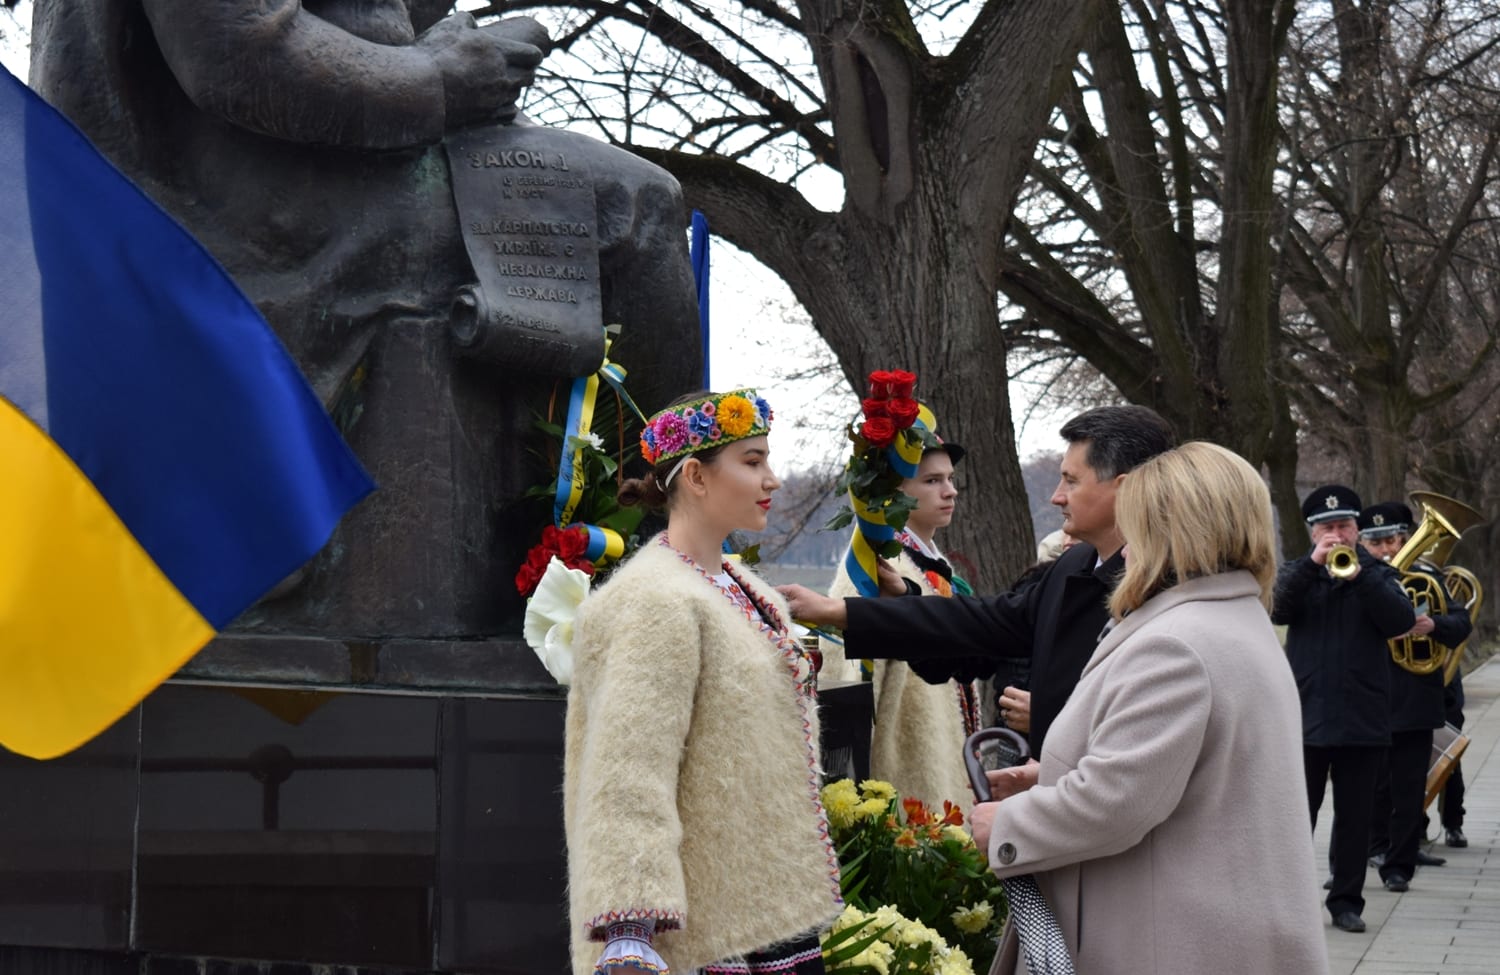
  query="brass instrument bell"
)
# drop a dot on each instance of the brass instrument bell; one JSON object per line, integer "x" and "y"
{"x": 1444, "y": 519}
{"x": 1342, "y": 562}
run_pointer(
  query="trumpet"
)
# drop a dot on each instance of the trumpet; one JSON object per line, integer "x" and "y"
{"x": 1342, "y": 562}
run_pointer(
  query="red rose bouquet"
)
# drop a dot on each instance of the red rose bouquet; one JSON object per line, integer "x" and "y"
{"x": 569, "y": 545}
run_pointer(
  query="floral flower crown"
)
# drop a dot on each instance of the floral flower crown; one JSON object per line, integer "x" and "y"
{"x": 699, "y": 424}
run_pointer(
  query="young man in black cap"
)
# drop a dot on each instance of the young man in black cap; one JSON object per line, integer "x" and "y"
{"x": 1337, "y": 628}
{"x": 1416, "y": 708}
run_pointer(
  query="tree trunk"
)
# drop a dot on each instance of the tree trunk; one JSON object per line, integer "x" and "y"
{"x": 932, "y": 151}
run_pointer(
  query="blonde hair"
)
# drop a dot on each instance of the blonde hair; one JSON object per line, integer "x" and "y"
{"x": 1193, "y": 511}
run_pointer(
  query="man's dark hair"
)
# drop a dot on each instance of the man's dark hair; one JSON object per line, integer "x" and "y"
{"x": 1119, "y": 437}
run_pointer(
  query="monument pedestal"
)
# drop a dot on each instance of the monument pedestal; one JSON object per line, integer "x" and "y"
{"x": 357, "y": 828}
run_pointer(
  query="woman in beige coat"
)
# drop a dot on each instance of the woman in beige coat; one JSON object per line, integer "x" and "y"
{"x": 1166, "y": 824}
{"x": 696, "y": 837}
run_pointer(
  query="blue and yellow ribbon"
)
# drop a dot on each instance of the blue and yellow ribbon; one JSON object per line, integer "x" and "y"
{"x": 604, "y": 543}
{"x": 871, "y": 532}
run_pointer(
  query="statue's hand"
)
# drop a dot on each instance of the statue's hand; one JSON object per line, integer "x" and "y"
{"x": 483, "y": 71}
{"x": 524, "y": 29}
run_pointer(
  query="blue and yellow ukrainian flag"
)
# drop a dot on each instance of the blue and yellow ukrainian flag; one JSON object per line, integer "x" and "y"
{"x": 162, "y": 461}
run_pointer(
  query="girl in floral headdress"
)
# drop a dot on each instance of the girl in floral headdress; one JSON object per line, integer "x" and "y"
{"x": 696, "y": 838}
{"x": 917, "y": 743}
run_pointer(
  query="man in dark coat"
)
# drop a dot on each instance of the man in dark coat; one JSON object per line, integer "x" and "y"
{"x": 1416, "y": 709}
{"x": 1056, "y": 621}
{"x": 1336, "y": 636}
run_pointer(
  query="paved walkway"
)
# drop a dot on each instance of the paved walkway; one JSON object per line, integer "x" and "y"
{"x": 1449, "y": 922}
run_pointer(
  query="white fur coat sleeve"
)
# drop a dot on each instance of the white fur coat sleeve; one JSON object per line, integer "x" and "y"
{"x": 643, "y": 687}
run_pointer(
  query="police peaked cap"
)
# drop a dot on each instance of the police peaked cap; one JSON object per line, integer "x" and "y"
{"x": 1385, "y": 519}
{"x": 1330, "y": 503}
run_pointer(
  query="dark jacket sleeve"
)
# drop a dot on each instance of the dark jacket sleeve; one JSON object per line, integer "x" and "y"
{"x": 1386, "y": 604}
{"x": 1292, "y": 589}
{"x": 957, "y": 638}
{"x": 1453, "y": 627}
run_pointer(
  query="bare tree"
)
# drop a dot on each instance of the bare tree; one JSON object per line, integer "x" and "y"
{"x": 1187, "y": 229}
{"x": 15, "y": 32}
{"x": 924, "y": 117}
{"x": 1143, "y": 241}
{"x": 1390, "y": 245}
{"x": 1327, "y": 315}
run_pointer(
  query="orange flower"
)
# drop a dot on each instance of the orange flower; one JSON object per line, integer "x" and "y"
{"x": 939, "y": 585}
{"x": 736, "y": 415}
{"x": 952, "y": 815}
{"x": 906, "y": 838}
{"x": 917, "y": 814}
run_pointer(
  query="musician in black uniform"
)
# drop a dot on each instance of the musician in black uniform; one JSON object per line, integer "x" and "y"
{"x": 1056, "y": 621}
{"x": 1336, "y": 636}
{"x": 1398, "y": 821}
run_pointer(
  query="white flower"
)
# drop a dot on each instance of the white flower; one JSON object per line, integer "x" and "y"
{"x": 974, "y": 918}
{"x": 955, "y": 962}
{"x": 593, "y": 440}
{"x": 549, "y": 617}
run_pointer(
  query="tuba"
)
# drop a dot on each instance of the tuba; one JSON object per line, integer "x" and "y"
{"x": 1444, "y": 519}
{"x": 1467, "y": 594}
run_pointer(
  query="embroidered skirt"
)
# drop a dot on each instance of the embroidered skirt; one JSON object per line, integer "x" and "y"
{"x": 802, "y": 955}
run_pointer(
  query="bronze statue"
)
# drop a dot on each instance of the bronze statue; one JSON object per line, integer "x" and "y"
{"x": 316, "y": 148}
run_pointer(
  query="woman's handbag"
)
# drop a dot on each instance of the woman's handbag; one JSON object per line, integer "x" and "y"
{"x": 1041, "y": 940}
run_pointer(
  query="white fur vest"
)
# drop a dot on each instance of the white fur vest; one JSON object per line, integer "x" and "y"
{"x": 692, "y": 772}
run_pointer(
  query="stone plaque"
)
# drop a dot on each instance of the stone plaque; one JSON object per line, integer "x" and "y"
{"x": 526, "y": 206}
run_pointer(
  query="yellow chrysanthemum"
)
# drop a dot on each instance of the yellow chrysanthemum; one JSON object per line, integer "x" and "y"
{"x": 840, "y": 801}
{"x": 869, "y": 809}
{"x": 736, "y": 415}
{"x": 877, "y": 789}
{"x": 957, "y": 833}
{"x": 974, "y": 918}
